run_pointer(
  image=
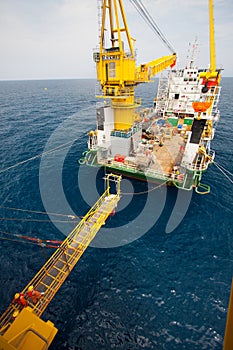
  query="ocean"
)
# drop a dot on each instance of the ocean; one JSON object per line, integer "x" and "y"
{"x": 155, "y": 279}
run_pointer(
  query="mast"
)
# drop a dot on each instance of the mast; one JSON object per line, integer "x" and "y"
{"x": 213, "y": 75}
{"x": 192, "y": 54}
{"x": 212, "y": 40}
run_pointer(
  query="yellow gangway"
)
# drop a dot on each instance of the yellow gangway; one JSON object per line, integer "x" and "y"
{"x": 28, "y": 331}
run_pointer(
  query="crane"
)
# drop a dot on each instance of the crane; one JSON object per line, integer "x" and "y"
{"x": 28, "y": 330}
{"x": 116, "y": 67}
{"x": 211, "y": 77}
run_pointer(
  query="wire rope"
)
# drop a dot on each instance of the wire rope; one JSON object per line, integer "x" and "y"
{"x": 149, "y": 20}
{"x": 48, "y": 243}
{"x": 43, "y": 245}
{"x": 58, "y": 148}
{"x": 37, "y": 220}
{"x": 34, "y": 239}
{"x": 222, "y": 171}
{"x": 34, "y": 157}
{"x": 227, "y": 171}
{"x": 40, "y": 212}
{"x": 17, "y": 240}
{"x": 144, "y": 192}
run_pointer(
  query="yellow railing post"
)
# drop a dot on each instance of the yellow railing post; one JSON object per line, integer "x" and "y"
{"x": 228, "y": 338}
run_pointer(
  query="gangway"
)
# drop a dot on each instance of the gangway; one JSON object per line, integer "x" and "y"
{"x": 52, "y": 275}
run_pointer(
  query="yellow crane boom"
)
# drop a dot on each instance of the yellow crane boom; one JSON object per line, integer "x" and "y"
{"x": 146, "y": 71}
{"x": 212, "y": 40}
{"x": 213, "y": 74}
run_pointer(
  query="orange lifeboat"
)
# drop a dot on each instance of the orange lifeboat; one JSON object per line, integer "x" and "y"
{"x": 201, "y": 106}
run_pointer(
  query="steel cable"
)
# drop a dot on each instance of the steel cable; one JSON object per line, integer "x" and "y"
{"x": 149, "y": 20}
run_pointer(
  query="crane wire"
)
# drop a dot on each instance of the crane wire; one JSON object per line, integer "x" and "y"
{"x": 43, "y": 245}
{"x": 37, "y": 220}
{"x": 41, "y": 212}
{"x": 227, "y": 171}
{"x": 55, "y": 149}
{"x": 35, "y": 240}
{"x": 223, "y": 171}
{"x": 154, "y": 26}
{"x": 144, "y": 192}
{"x": 72, "y": 217}
{"x": 149, "y": 20}
{"x": 58, "y": 148}
{"x": 17, "y": 240}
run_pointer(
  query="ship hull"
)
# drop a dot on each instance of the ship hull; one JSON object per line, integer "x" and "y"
{"x": 191, "y": 180}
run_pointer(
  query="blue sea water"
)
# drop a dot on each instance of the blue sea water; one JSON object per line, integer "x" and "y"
{"x": 159, "y": 291}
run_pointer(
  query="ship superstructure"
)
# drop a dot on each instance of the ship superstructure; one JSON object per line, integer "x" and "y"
{"x": 170, "y": 141}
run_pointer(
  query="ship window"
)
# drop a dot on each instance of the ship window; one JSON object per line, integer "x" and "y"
{"x": 177, "y": 96}
{"x": 185, "y": 79}
{"x": 112, "y": 69}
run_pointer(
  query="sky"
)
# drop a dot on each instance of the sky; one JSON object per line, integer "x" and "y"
{"x": 52, "y": 39}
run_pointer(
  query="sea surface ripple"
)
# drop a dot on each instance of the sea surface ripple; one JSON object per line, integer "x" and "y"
{"x": 162, "y": 291}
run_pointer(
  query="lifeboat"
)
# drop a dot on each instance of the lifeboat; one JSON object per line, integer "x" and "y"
{"x": 201, "y": 106}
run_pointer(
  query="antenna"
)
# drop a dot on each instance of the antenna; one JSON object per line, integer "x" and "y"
{"x": 192, "y": 53}
{"x": 99, "y": 11}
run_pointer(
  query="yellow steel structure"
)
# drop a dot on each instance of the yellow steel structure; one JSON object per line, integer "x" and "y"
{"x": 116, "y": 64}
{"x": 212, "y": 40}
{"x": 28, "y": 331}
{"x": 213, "y": 74}
{"x": 228, "y": 338}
